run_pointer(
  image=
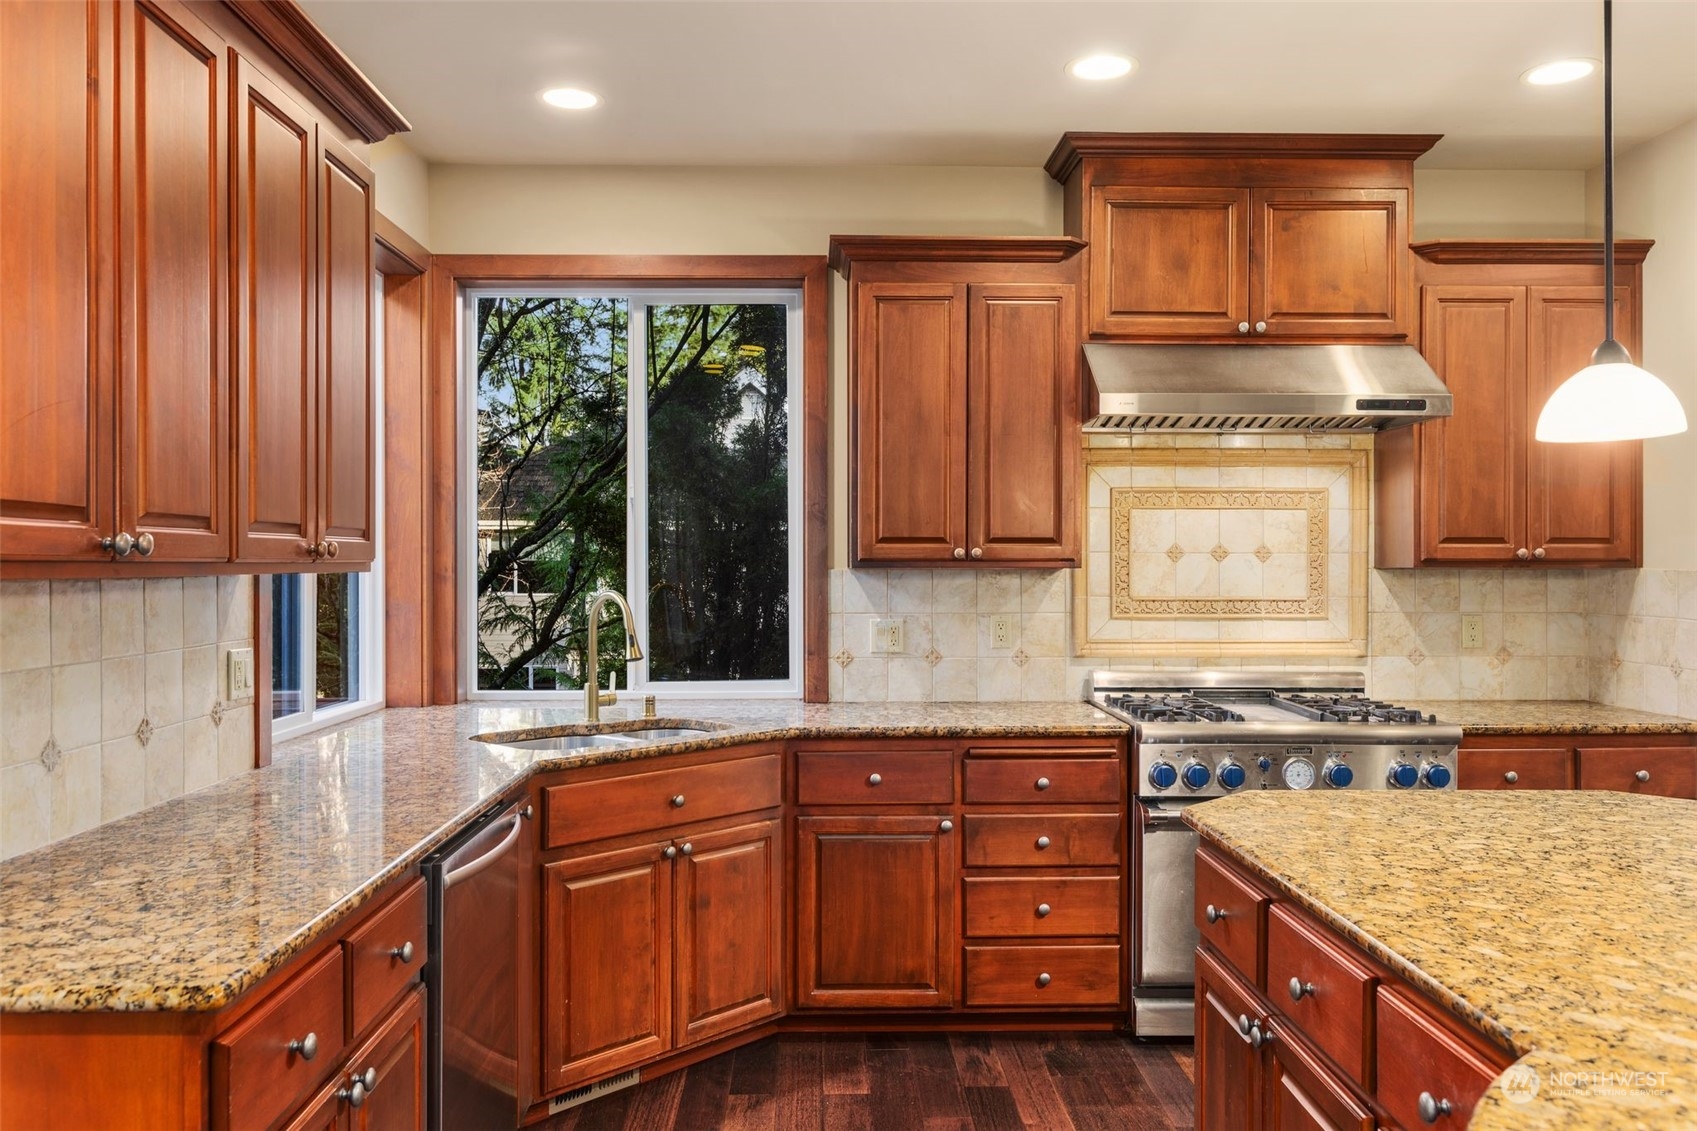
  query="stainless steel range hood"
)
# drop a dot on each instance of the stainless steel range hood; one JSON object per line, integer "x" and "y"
{"x": 1235, "y": 388}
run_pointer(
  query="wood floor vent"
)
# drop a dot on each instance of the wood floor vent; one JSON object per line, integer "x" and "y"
{"x": 565, "y": 1101}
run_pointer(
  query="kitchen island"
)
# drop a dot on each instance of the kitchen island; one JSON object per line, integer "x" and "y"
{"x": 1560, "y": 927}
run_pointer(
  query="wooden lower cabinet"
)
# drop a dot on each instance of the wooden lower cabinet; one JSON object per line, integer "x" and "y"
{"x": 1304, "y": 1095}
{"x": 1230, "y": 1073}
{"x": 875, "y": 911}
{"x": 1652, "y": 765}
{"x": 394, "y": 1060}
{"x": 652, "y": 947}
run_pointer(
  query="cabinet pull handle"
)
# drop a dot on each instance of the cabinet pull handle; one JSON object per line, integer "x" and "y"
{"x": 369, "y": 1079}
{"x": 1213, "y": 914}
{"x": 1260, "y": 327}
{"x": 404, "y": 952}
{"x": 1043, "y": 979}
{"x": 307, "y": 1046}
{"x": 1642, "y": 775}
{"x": 119, "y": 544}
{"x": 1523, "y": 554}
{"x": 947, "y": 826}
{"x": 1043, "y": 910}
{"x": 1259, "y": 1036}
{"x": 875, "y": 779}
{"x": 1042, "y": 783}
{"x": 1243, "y": 327}
{"x": 960, "y": 552}
{"x": 688, "y": 849}
{"x": 355, "y": 1095}
{"x": 1511, "y": 777}
{"x": 144, "y": 544}
{"x": 678, "y": 801}
{"x": 670, "y": 852}
{"x": 1431, "y": 1108}
{"x": 1300, "y": 989}
{"x": 1243, "y": 1026}
{"x": 1538, "y": 553}
{"x": 977, "y": 552}
{"x": 1042, "y": 842}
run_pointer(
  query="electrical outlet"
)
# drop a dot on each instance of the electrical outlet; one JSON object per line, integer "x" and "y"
{"x": 239, "y": 684}
{"x": 1001, "y": 632}
{"x": 1472, "y": 630}
{"x": 887, "y": 635}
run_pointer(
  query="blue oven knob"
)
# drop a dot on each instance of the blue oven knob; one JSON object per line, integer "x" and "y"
{"x": 1402, "y": 776}
{"x": 1436, "y": 775}
{"x": 1231, "y": 775}
{"x": 1196, "y": 774}
{"x": 1162, "y": 775}
{"x": 1337, "y": 774}
{"x": 1263, "y": 763}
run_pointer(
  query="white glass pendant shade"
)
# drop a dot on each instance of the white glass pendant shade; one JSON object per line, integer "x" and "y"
{"x": 1614, "y": 400}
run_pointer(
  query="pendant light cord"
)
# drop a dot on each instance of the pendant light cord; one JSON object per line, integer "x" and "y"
{"x": 1608, "y": 173}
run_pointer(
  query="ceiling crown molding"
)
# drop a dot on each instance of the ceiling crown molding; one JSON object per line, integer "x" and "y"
{"x": 952, "y": 249}
{"x": 1529, "y": 251}
{"x": 1075, "y": 147}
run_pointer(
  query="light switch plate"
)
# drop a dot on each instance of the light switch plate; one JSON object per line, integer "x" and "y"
{"x": 239, "y": 676}
{"x": 1472, "y": 630}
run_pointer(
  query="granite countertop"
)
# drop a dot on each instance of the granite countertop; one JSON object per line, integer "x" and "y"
{"x": 185, "y": 905}
{"x": 1549, "y": 716}
{"x": 1563, "y": 926}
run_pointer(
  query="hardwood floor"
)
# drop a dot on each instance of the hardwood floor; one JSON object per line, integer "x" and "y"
{"x": 945, "y": 1082}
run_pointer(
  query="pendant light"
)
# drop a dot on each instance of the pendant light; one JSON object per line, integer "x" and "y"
{"x": 1610, "y": 399}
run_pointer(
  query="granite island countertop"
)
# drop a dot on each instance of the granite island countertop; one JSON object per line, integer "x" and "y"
{"x": 1549, "y": 716}
{"x": 1562, "y": 926}
{"x": 185, "y": 905}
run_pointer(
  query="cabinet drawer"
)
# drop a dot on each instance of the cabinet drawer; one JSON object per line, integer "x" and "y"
{"x": 376, "y": 972}
{"x": 1042, "y": 905}
{"x": 1417, "y": 1053}
{"x": 1237, "y": 911}
{"x": 257, "y": 1078}
{"x": 1324, "y": 992}
{"x": 1042, "y": 975}
{"x": 885, "y": 777}
{"x": 595, "y": 810}
{"x": 1051, "y": 840}
{"x": 1047, "y": 781}
{"x": 1660, "y": 771}
{"x": 1541, "y": 768}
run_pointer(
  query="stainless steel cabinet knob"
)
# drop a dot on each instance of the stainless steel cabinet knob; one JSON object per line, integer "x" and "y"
{"x": 947, "y": 826}
{"x": 1043, "y": 910}
{"x": 369, "y": 1079}
{"x": 355, "y": 1095}
{"x": 1300, "y": 989}
{"x": 120, "y": 544}
{"x": 688, "y": 849}
{"x": 1642, "y": 775}
{"x": 1043, "y": 979}
{"x": 1430, "y": 1107}
{"x": 875, "y": 779}
{"x": 678, "y": 801}
{"x": 307, "y": 1046}
{"x": 1523, "y": 554}
{"x": 977, "y": 552}
{"x": 1243, "y": 327}
{"x": 1042, "y": 842}
{"x": 1259, "y": 1036}
{"x": 1538, "y": 553}
{"x": 960, "y": 552}
{"x": 1511, "y": 777}
{"x": 404, "y": 952}
{"x": 1042, "y": 783}
{"x": 1243, "y": 1024}
{"x": 144, "y": 545}
{"x": 670, "y": 852}
{"x": 1260, "y": 327}
{"x": 1213, "y": 914}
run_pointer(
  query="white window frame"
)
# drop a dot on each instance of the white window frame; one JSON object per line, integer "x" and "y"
{"x": 635, "y": 676}
{"x": 369, "y": 631}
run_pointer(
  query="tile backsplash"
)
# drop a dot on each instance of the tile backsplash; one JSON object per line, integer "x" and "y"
{"x": 111, "y": 698}
{"x": 1641, "y": 634}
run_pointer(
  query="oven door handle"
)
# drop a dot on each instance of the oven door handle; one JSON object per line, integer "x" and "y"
{"x": 1162, "y": 818}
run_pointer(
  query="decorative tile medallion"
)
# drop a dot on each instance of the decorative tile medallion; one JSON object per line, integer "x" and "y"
{"x": 1175, "y": 552}
{"x": 217, "y": 713}
{"x": 1416, "y": 657}
{"x": 1262, "y": 554}
{"x": 51, "y": 755}
{"x": 933, "y": 657}
{"x": 1021, "y": 657}
{"x": 844, "y": 658}
{"x": 144, "y": 732}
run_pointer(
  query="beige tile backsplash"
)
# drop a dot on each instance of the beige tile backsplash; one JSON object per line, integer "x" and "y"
{"x": 110, "y": 699}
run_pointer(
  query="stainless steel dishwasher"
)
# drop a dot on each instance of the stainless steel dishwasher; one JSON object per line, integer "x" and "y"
{"x": 473, "y": 971}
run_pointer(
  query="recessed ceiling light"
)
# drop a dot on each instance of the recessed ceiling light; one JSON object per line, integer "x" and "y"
{"x": 570, "y": 98}
{"x": 1560, "y": 71}
{"x": 1099, "y": 67}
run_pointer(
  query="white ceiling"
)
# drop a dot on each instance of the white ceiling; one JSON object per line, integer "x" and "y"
{"x": 982, "y": 82}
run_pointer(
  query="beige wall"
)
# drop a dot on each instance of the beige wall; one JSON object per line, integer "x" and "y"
{"x": 1502, "y": 203}
{"x": 1656, "y": 196}
{"x": 403, "y": 187}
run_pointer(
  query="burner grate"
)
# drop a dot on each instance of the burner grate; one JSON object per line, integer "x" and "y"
{"x": 1172, "y": 709}
{"x": 1356, "y": 709}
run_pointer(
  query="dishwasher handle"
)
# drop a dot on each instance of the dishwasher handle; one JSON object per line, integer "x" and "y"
{"x": 467, "y": 871}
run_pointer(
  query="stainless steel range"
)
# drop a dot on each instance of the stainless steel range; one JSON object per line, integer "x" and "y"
{"x": 1199, "y": 735}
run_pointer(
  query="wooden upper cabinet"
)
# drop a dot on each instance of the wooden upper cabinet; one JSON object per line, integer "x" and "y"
{"x": 56, "y": 416}
{"x": 910, "y": 417}
{"x": 965, "y": 375}
{"x": 173, "y": 362}
{"x": 275, "y": 321}
{"x": 1022, "y": 408}
{"x": 1583, "y": 501}
{"x": 346, "y": 231}
{"x": 1329, "y": 263}
{"x": 1169, "y": 261}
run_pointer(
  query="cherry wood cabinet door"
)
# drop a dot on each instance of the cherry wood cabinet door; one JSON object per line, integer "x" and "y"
{"x": 347, "y": 405}
{"x": 1022, "y": 413}
{"x": 173, "y": 363}
{"x": 1169, "y": 261}
{"x": 274, "y": 225}
{"x": 1229, "y": 1072}
{"x": 1473, "y": 464}
{"x": 1304, "y": 1095}
{"x": 1583, "y": 500}
{"x": 396, "y": 1052}
{"x": 606, "y": 963}
{"x": 1330, "y": 262}
{"x": 910, "y": 421}
{"x": 729, "y": 961}
{"x": 875, "y": 912}
{"x": 56, "y": 82}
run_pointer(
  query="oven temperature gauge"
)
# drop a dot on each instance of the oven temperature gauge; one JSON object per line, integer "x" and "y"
{"x": 1299, "y": 773}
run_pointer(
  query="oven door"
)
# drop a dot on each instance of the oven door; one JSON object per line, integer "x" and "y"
{"x": 1166, "y": 927}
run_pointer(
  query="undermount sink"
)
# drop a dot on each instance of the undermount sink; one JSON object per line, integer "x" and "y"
{"x": 662, "y": 732}
{"x": 566, "y": 742}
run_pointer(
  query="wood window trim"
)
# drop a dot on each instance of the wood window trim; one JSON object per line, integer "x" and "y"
{"x": 450, "y": 275}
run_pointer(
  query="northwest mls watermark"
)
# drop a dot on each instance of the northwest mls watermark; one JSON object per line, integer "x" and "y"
{"x": 1521, "y": 1083}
